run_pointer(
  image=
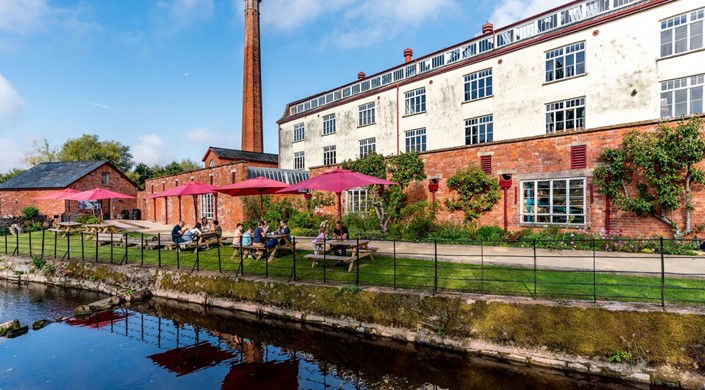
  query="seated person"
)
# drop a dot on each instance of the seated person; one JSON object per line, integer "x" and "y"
{"x": 193, "y": 232}
{"x": 177, "y": 233}
{"x": 318, "y": 242}
{"x": 284, "y": 231}
{"x": 247, "y": 241}
{"x": 340, "y": 233}
{"x": 258, "y": 235}
{"x": 217, "y": 229}
{"x": 237, "y": 237}
{"x": 205, "y": 225}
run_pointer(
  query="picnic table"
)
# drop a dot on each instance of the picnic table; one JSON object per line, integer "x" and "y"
{"x": 356, "y": 249}
{"x": 261, "y": 250}
{"x": 203, "y": 239}
{"x": 101, "y": 228}
{"x": 67, "y": 228}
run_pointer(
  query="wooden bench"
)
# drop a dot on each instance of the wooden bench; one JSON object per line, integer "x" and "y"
{"x": 260, "y": 250}
{"x": 107, "y": 238}
{"x": 350, "y": 260}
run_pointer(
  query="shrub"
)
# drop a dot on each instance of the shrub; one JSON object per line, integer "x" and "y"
{"x": 490, "y": 234}
{"x": 451, "y": 232}
{"x": 87, "y": 219}
{"x": 416, "y": 223}
{"x": 38, "y": 262}
{"x": 30, "y": 212}
{"x": 363, "y": 225}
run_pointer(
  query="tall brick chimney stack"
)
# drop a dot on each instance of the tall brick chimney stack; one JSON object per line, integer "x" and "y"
{"x": 252, "y": 139}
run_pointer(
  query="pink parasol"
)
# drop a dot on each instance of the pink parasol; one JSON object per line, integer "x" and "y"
{"x": 257, "y": 186}
{"x": 59, "y": 194}
{"x": 193, "y": 188}
{"x": 99, "y": 194}
{"x": 337, "y": 180}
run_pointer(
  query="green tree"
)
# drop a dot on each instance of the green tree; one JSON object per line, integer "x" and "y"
{"x": 189, "y": 165}
{"x": 402, "y": 169}
{"x": 10, "y": 174}
{"x": 661, "y": 167}
{"x": 41, "y": 153}
{"x": 89, "y": 147}
{"x": 477, "y": 192}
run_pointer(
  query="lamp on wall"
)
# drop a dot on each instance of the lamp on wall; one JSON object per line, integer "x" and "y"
{"x": 505, "y": 183}
{"x": 433, "y": 188}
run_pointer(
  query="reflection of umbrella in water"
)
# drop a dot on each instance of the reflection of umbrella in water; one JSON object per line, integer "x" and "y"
{"x": 257, "y": 186}
{"x": 337, "y": 180}
{"x": 184, "y": 361}
{"x": 262, "y": 376}
{"x": 98, "y": 320}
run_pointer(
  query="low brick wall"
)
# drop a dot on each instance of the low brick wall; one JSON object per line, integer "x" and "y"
{"x": 668, "y": 346}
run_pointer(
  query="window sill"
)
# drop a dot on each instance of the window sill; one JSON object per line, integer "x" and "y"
{"x": 325, "y": 135}
{"x": 565, "y": 79}
{"x": 545, "y": 225}
{"x": 293, "y": 142}
{"x": 478, "y": 99}
{"x": 685, "y": 53}
{"x": 367, "y": 125}
{"x": 414, "y": 114}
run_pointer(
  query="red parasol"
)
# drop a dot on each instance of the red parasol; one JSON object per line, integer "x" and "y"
{"x": 337, "y": 180}
{"x": 193, "y": 188}
{"x": 257, "y": 186}
{"x": 98, "y": 194}
{"x": 59, "y": 194}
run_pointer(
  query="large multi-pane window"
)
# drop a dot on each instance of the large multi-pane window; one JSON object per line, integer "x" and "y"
{"x": 682, "y": 33}
{"x": 565, "y": 62}
{"x": 367, "y": 146}
{"x": 559, "y": 201}
{"x": 415, "y": 101}
{"x": 478, "y": 130}
{"x": 328, "y": 124}
{"x": 366, "y": 114}
{"x": 207, "y": 206}
{"x": 416, "y": 140}
{"x": 565, "y": 115}
{"x": 299, "y": 160}
{"x": 329, "y": 155}
{"x": 478, "y": 85}
{"x": 298, "y": 132}
{"x": 682, "y": 96}
{"x": 358, "y": 201}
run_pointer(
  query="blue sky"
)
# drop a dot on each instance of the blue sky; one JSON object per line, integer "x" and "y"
{"x": 165, "y": 76}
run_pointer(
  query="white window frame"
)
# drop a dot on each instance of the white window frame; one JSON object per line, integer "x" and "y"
{"x": 682, "y": 33}
{"x": 358, "y": 200}
{"x": 329, "y": 155}
{"x": 542, "y": 202}
{"x": 682, "y": 96}
{"x": 478, "y": 85}
{"x": 565, "y": 62}
{"x": 367, "y": 146}
{"x": 415, "y": 140}
{"x": 207, "y": 206}
{"x": 328, "y": 124}
{"x": 479, "y": 130}
{"x": 299, "y": 160}
{"x": 415, "y": 101}
{"x": 560, "y": 115}
{"x": 299, "y": 131}
{"x": 366, "y": 114}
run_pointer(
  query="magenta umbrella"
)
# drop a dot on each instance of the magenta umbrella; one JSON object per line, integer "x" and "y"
{"x": 337, "y": 180}
{"x": 59, "y": 194}
{"x": 191, "y": 188}
{"x": 99, "y": 194}
{"x": 257, "y": 186}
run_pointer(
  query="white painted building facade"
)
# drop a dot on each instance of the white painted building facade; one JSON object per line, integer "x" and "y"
{"x": 589, "y": 64}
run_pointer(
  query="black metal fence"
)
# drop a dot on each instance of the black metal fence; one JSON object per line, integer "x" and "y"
{"x": 652, "y": 271}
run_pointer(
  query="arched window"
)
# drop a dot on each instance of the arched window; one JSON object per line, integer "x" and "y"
{"x": 212, "y": 163}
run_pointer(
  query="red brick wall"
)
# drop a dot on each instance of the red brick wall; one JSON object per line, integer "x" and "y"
{"x": 12, "y": 202}
{"x": 229, "y": 210}
{"x": 546, "y": 157}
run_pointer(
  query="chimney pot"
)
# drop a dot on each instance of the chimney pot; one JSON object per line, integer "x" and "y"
{"x": 487, "y": 28}
{"x": 407, "y": 55}
{"x": 361, "y": 75}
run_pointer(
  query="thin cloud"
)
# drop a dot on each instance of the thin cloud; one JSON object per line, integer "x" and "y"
{"x": 176, "y": 15}
{"x": 94, "y": 104}
{"x": 22, "y": 16}
{"x": 151, "y": 150}
{"x": 287, "y": 15}
{"x": 11, "y": 103}
{"x": 201, "y": 136}
{"x": 509, "y": 11}
{"x": 12, "y": 154}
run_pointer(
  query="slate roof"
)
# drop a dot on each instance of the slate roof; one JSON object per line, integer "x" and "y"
{"x": 234, "y": 154}
{"x": 52, "y": 175}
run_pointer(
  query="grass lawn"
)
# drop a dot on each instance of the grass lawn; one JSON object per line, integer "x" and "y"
{"x": 384, "y": 271}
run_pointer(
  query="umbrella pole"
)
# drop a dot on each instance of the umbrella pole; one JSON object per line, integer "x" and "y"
{"x": 215, "y": 208}
{"x": 340, "y": 213}
{"x": 261, "y": 205}
{"x": 180, "y": 219}
{"x": 195, "y": 210}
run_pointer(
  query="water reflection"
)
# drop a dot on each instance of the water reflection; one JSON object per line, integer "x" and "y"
{"x": 162, "y": 344}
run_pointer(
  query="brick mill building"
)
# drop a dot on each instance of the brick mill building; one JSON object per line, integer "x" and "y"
{"x": 20, "y": 191}
{"x": 533, "y": 103}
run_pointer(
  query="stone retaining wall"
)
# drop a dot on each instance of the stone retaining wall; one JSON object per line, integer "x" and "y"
{"x": 668, "y": 346}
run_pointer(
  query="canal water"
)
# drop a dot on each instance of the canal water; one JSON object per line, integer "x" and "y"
{"x": 166, "y": 345}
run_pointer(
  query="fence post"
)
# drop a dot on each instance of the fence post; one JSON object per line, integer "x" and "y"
{"x": 482, "y": 267}
{"x": 535, "y": 296}
{"x": 6, "y": 233}
{"x": 663, "y": 277}
{"x": 141, "y": 248}
{"x": 96, "y": 247}
{"x": 126, "y": 246}
{"x": 55, "y": 242}
{"x": 198, "y": 258}
{"x": 293, "y": 248}
{"x": 594, "y": 273}
{"x": 159, "y": 250}
{"x": 43, "y": 233}
{"x": 357, "y": 261}
{"x": 242, "y": 261}
{"x": 324, "y": 260}
{"x": 30, "y": 243}
{"x": 394, "y": 251}
{"x": 83, "y": 253}
{"x": 111, "y": 247}
{"x": 435, "y": 266}
{"x": 266, "y": 265}
{"x": 220, "y": 265}
{"x": 17, "y": 244}
{"x": 178, "y": 258}
{"x": 68, "y": 246}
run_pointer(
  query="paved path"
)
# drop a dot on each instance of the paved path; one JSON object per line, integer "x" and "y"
{"x": 508, "y": 256}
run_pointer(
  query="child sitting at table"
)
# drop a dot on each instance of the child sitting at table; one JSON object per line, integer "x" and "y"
{"x": 247, "y": 240}
{"x": 321, "y": 238}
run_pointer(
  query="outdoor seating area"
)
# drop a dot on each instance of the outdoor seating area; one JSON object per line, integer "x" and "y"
{"x": 355, "y": 249}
